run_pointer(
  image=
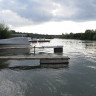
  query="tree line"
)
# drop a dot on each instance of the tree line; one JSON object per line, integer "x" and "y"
{"x": 87, "y": 35}
{"x": 6, "y": 33}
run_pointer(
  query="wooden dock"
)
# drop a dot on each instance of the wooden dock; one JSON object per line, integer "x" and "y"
{"x": 43, "y": 59}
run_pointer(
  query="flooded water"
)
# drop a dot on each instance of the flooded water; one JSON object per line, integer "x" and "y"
{"x": 29, "y": 78}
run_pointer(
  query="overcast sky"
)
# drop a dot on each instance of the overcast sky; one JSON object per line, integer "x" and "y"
{"x": 49, "y": 16}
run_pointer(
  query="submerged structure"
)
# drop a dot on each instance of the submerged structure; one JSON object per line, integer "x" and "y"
{"x": 15, "y": 41}
{"x": 18, "y": 41}
{"x": 43, "y": 59}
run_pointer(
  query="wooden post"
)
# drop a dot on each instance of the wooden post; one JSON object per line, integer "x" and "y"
{"x": 34, "y": 50}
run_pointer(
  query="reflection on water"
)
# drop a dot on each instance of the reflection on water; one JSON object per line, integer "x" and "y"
{"x": 29, "y": 78}
{"x": 14, "y": 52}
{"x": 90, "y": 50}
{"x": 93, "y": 67}
{"x": 3, "y": 64}
{"x": 23, "y": 50}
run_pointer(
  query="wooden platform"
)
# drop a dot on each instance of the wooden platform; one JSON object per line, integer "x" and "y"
{"x": 43, "y": 59}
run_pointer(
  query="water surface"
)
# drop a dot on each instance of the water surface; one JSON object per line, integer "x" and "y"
{"x": 29, "y": 78}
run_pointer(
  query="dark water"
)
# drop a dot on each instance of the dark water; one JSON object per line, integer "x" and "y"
{"x": 29, "y": 78}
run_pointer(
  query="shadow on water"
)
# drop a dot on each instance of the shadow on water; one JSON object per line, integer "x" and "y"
{"x": 38, "y": 67}
{"x": 3, "y": 64}
{"x": 7, "y": 65}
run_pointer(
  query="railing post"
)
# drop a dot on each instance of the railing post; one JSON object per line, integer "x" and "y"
{"x": 34, "y": 50}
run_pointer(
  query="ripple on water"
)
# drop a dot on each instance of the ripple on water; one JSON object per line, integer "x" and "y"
{"x": 93, "y": 67}
{"x": 75, "y": 80}
{"x": 8, "y": 88}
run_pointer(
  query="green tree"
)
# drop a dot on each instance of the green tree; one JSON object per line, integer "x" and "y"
{"x": 94, "y": 37}
{"x": 88, "y": 34}
{"x": 4, "y": 31}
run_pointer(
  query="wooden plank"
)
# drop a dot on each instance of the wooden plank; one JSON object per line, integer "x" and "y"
{"x": 34, "y": 57}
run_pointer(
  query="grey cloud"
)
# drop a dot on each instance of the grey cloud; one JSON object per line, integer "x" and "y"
{"x": 31, "y": 10}
{"x": 40, "y": 10}
{"x": 86, "y": 10}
